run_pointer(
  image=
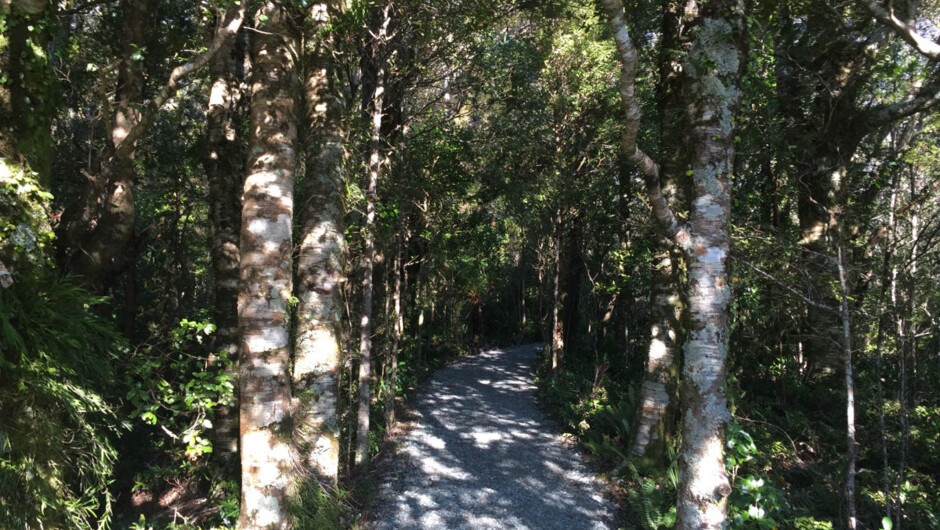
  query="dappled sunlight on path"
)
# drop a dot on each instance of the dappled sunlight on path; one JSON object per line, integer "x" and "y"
{"x": 483, "y": 456}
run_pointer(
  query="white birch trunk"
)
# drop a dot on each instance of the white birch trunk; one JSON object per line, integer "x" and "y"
{"x": 714, "y": 69}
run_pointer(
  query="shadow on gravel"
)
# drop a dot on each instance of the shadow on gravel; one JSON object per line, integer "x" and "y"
{"x": 483, "y": 456}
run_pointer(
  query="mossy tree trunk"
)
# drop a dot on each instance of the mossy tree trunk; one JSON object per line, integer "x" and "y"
{"x": 27, "y": 102}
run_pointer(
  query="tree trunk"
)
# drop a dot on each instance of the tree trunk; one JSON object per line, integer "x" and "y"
{"x": 658, "y": 401}
{"x": 887, "y": 285}
{"x": 556, "y": 332}
{"x": 522, "y": 310}
{"x": 365, "y": 327}
{"x": 317, "y": 348}
{"x": 397, "y": 332}
{"x": 265, "y": 280}
{"x": 225, "y": 172}
{"x": 26, "y": 111}
{"x": 572, "y": 271}
{"x": 817, "y": 219}
{"x": 714, "y": 66}
{"x": 27, "y": 99}
{"x": 101, "y": 250}
{"x": 852, "y": 446}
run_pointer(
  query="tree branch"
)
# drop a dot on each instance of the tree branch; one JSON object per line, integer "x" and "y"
{"x": 926, "y": 98}
{"x": 906, "y": 209}
{"x": 923, "y": 45}
{"x": 647, "y": 166}
{"x": 232, "y": 21}
{"x": 801, "y": 296}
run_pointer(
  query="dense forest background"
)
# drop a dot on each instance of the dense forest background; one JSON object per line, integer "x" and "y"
{"x": 288, "y": 212}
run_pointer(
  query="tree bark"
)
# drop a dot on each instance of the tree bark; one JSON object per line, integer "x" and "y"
{"x": 27, "y": 99}
{"x": 397, "y": 333}
{"x": 852, "y": 446}
{"x": 317, "y": 350}
{"x": 26, "y": 111}
{"x": 658, "y": 401}
{"x": 714, "y": 66}
{"x": 374, "y": 169}
{"x": 557, "y": 332}
{"x": 265, "y": 275}
{"x": 883, "y": 320}
{"x": 225, "y": 172}
{"x": 572, "y": 271}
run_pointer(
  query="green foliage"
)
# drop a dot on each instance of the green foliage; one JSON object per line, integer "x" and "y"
{"x": 313, "y": 507}
{"x": 143, "y": 524}
{"x": 172, "y": 390}
{"x": 653, "y": 502}
{"x": 755, "y": 501}
{"x": 56, "y": 423}
{"x": 25, "y": 233}
{"x": 582, "y": 399}
{"x": 172, "y": 386}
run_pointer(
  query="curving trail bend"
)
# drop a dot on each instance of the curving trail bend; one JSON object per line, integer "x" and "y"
{"x": 482, "y": 455}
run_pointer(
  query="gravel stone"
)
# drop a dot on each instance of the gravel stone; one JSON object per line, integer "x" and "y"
{"x": 482, "y": 455}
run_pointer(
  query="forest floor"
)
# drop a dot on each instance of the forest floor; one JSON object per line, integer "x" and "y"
{"x": 480, "y": 454}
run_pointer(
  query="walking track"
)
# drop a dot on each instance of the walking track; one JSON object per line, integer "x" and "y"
{"x": 483, "y": 456}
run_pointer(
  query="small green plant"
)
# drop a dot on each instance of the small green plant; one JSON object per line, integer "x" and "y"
{"x": 314, "y": 507}
{"x": 653, "y": 502}
{"x": 172, "y": 386}
{"x": 755, "y": 502}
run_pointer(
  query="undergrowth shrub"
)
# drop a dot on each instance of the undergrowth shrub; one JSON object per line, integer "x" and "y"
{"x": 172, "y": 392}
{"x": 652, "y": 501}
{"x": 56, "y": 422}
{"x": 315, "y": 508}
{"x": 172, "y": 386}
{"x": 756, "y": 502}
{"x": 591, "y": 404}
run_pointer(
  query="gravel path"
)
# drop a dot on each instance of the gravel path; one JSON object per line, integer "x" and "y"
{"x": 483, "y": 456}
